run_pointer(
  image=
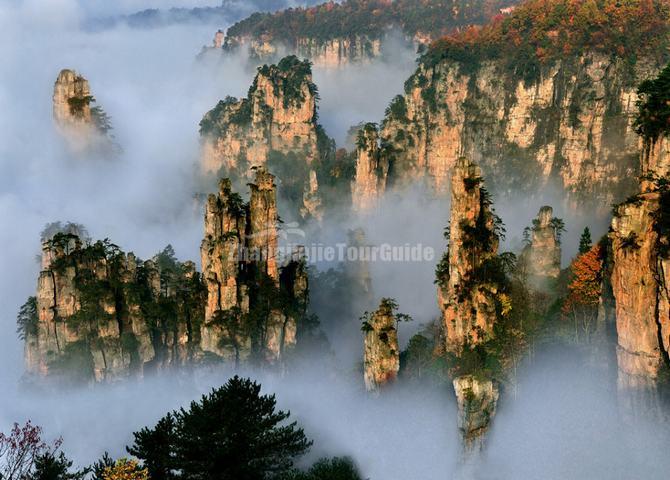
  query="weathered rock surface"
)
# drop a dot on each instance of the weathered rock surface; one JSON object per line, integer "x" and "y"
{"x": 83, "y": 126}
{"x": 371, "y": 170}
{"x": 103, "y": 315}
{"x": 570, "y": 127}
{"x": 334, "y": 34}
{"x": 466, "y": 297}
{"x": 542, "y": 256}
{"x": 477, "y": 400}
{"x": 468, "y": 304}
{"x": 275, "y": 125}
{"x": 640, "y": 285}
{"x": 381, "y": 354}
{"x": 245, "y": 285}
{"x": 331, "y": 53}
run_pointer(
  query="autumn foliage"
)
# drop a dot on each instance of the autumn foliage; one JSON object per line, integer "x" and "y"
{"x": 125, "y": 469}
{"x": 544, "y": 30}
{"x": 585, "y": 288}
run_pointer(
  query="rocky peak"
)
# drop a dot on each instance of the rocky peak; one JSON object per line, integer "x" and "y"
{"x": 83, "y": 126}
{"x": 381, "y": 353}
{"x": 71, "y": 98}
{"x": 371, "y": 170}
{"x": 242, "y": 274}
{"x": 263, "y": 222}
{"x": 468, "y": 308}
{"x": 275, "y": 125}
{"x": 477, "y": 400}
{"x": 97, "y": 315}
{"x": 640, "y": 258}
{"x": 467, "y": 296}
{"x": 542, "y": 256}
{"x": 562, "y": 114}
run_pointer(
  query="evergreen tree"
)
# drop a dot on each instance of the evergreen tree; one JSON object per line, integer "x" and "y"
{"x": 232, "y": 433}
{"x": 585, "y": 242}
{"x": 49, "y": 466}
{"x": 338, "y": 468}
{"x": 99, "y": 467}
{"x": 155, "y": 447}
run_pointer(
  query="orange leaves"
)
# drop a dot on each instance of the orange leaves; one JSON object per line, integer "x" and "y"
{"x": 585, "y": 288}
{"x": 125, "y": 469}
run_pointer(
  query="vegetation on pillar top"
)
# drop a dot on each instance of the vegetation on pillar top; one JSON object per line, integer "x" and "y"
{"x": 539, "y": 32}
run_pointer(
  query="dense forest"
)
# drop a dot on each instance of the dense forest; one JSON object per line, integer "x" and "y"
{"x": 370, "y": 18}
{"x": 542, "y": 31}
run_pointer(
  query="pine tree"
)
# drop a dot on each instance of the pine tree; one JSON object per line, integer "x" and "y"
{"x": 50, "y": 466}
{"x": 234, "y": 433}
{"x": 585, "y": 242}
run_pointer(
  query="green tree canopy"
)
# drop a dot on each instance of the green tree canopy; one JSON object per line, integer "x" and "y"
{"x": 232, "y": 433}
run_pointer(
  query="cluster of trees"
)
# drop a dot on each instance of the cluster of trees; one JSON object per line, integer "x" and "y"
{"x": 370, "y": 18}
{"x": 232, "y": 433}
{"x": 540, "y": 31}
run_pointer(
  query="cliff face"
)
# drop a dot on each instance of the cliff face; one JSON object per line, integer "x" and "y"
{"x": 83, "y": 126}
{"x": 103, "y": 315}
{"x": 381, "y": 353}
{"x": 330, "y": 53}
{"x": 468, "y": 304}
{"x": 467, "y": 297}
{"x": 639, "y": 281}
{"x": 353, "y": 31}
{"x": 542, "y": 256}
{"x": 570, "y": 126}
{"x": 276, "y": 125}
{"x": 371, "y": 170}
{"x": 247, "y": 293}
{"x": 477, "y": 400}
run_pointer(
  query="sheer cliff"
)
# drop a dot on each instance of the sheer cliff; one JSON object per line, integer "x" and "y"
{"x": 274, "y": 126}
{"x": 639, "y": 238}
{"x": 333, "y": 34}
{"x": 469, "y": 298}
{"x": 253, "y": 306}
{"x": 542, "y": 96}
{"x": 101, "y": 315}
{"x": 85, "y": 127}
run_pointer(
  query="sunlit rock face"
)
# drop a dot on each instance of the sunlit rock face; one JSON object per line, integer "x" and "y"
{"x": 466, "y": 300}
{"x": 371, "y": 170}
{"x": 275, "y": 125}
{"x": 84, "y": 127}
{"x": 640, "y": 285}
{"x": 542, "y": 256}
{"x": 468, "y": 306}
{"x": 571, "y": 126}
{"x": 332, "y": 53}
{"x": 381, "y": 354}
{"x": 244, "y": 281}
{"x": 477, "y": 400}
{"x": 103, "y": 315}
